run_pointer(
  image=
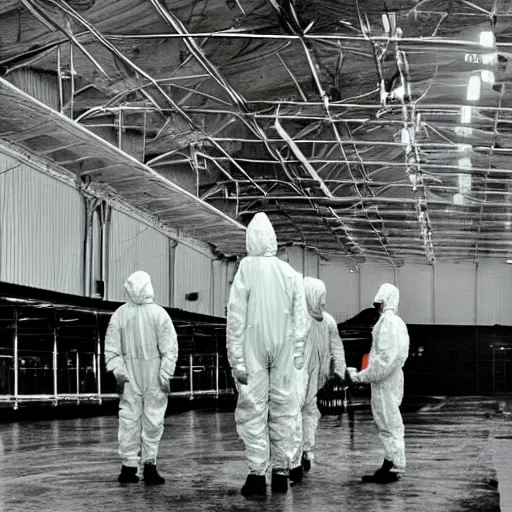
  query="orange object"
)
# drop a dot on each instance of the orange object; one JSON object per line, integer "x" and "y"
{"x": 364, "y": 362}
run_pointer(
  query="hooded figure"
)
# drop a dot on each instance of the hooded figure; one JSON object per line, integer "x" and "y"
{"x": 266, "y": 327}
{"x": 390, "y": 349}
{"x": 141, "y": 350}
{"x": 322, "y": 344}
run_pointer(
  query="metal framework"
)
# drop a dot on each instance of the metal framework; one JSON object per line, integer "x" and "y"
{"x": 351, "y": 125}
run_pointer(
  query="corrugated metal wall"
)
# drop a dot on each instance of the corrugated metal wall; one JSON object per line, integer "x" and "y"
{"x": 302, "y": 260}
{"x": 455, "y": 296}
{"x": 342, "y": 291}
{"x": 494, "y": 293}
{"x": 193, "y": 273}
{"x": 41, "y": 229}
{"x": 416, "y": 285}
{"x": 135, "y": 246}
{"x": 311, "y": 264}
{"x": 220, "y": 287}
{"x": 449, "y": 294}
{"x": 42, "y": 86}
{"x": 371, "y": 279}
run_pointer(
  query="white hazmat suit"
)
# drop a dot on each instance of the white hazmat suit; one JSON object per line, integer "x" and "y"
{"x": 389, "y": 352}
{"x": 322, "y": 345}
{"x": 266, "y": 327}
{"x": 141, "y": 349}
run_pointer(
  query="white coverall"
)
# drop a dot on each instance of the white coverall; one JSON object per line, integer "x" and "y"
{"x": 322, "y": 343}
{"x": 266, "y": 326}
{"x": 141, "y": 349}
{"x": 390, "y": 349}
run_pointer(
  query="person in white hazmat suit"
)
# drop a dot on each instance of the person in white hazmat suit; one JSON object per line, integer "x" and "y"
{"x": 266, "y": 326}
{"x": 389, "y": 352}
{"x": 322, "y": 345}
{"x": 141, "y": 350}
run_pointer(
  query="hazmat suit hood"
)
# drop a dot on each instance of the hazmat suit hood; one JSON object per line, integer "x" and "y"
{"x": 389, "y": 296}
{"x": 316, "y": 294}
{"x": 261, "y": 237}
{"x": 139, "y": 289}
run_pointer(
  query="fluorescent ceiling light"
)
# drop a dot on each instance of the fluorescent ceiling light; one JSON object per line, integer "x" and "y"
{"x": 465, "y": 163}
{"x": 399, "y": 92}
{"x": 474, "y": 87}
{"x": 465, "y": 114}
{"x": 458, "y": 199}
{"x": 489, "y": 59}
{"x": 487, "y": 39}
{"x": 405, "y": 136}
{"x": 464, "y": 183}
{"x": 509, "y": 262}
{"x": 487, "y": 76}
{"x": 464, "y": 131}
{"x": 464, "y": 147}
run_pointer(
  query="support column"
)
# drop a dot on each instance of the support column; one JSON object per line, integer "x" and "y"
{"x": 212, "y": 288}
{"x": 77, "y": 364}
{"x": 98, "y": 364}
{"x": 106, "y": 215}
{"x": 15, "y": 358}
{"x": 89, "y": 209}
{"x": 191, "y": 376}
{"x": 434, "y": 295}
{"x": 55, "y": 353}
{"x": 217, "y": 374}
{"x": 173, "y": 244}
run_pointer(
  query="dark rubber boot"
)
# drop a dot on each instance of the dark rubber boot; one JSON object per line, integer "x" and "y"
{"x": 296, "y": 475}
{"x": 383, "y": 475}
{"x": 306, "y": 463}
{"x": 151, "y": 476}
{"x": 279, "y": 483}
{"x": 255, "y": 485}
{"x": 128, "y": 475}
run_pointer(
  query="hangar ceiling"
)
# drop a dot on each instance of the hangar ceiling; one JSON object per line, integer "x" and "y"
{"x": 370, "y": 130}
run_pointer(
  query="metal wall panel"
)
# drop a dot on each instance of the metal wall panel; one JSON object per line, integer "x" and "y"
{"x": 96, "y": 250}
{"x": 42, "y": 86}
{"x": 136, "y": 246}
{"x": 192, "y": 274}
{"x": 416, "y": 285}
{"x": 494, "y": 289}
{"x": 311, "y": 263}
{"x": 295, "y": 257}
{"x": 342, "y": 291}
{"x": 455, "y": 293}
{"x": 302, "y": 260}
{"x": 371, "y": 279}
{"x": 42, "y": 222}
{"x": 220, "y": 287}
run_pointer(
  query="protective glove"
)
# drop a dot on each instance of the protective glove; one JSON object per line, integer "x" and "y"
{"x": 340, "y": 380}
{"x": 165, "y": 385}
{"x": 298, "y": 362}
{"x": 121, "y": 380}
{"x": 354, "y": 375}
{"x": 241, "y": 376}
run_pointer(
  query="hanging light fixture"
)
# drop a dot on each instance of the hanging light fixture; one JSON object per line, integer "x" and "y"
{"x": 464, "y": 183}
{"x": 464, "y": 131}
{"x": 399, "y": 92}
{"x": 474, "y": 87}
{"x": 466, "y": 114}
{"x": 487, "y": 76}
{"x": 487, "y": 39}
{"x": 458, "y": 199}
{"x": 465, "y": 163}
{"x": 489, "y": 59}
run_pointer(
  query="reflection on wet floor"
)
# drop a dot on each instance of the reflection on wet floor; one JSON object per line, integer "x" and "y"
{"x": 72, "y": 465}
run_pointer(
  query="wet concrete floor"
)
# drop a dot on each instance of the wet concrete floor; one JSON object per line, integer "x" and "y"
{"x": 454, "y": 448}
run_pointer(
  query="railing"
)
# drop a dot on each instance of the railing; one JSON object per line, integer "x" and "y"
{"x": 56, "y": 369}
